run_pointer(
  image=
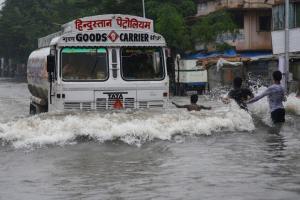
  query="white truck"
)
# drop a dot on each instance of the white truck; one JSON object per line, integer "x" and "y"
{"x": 97, "y": 63}
{"x": 191, "y": 78}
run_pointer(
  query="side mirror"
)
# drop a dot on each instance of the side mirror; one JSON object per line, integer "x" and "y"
{"x": 50, "y": 63}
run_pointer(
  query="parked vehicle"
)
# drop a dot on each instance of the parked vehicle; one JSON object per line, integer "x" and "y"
{"x": 192, "y": 78}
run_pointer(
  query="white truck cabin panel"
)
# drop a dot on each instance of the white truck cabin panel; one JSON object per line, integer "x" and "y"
{"x": 106, "y": 62}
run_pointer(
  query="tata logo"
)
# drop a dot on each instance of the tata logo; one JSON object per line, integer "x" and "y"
{"x": 115, "y": 95}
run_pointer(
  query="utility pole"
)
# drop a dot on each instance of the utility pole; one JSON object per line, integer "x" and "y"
{"x": 286, "y": 68}
{"x": 178, "y": 75}
{"x": 144, "y": 11}
{"x": 1, "y": 67}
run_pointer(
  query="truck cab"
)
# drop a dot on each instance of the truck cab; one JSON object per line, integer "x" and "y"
{"x": 98, "y": 63}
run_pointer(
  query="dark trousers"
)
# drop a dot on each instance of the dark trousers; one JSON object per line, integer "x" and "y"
{"x": 278, "y": 115}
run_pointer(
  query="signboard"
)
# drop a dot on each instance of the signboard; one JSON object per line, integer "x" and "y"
{"x": 109, "y": 22}
{"x": 106, "y": 30}
{"x": 111, "y": 38}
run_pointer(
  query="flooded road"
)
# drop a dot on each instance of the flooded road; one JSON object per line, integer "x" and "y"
{"x": 224, "y": 153}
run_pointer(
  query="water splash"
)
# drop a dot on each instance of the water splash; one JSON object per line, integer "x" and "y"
{"x": 292, "y": 104}
{"x": 260, "y": 109}
{"x": 133, "y": 128}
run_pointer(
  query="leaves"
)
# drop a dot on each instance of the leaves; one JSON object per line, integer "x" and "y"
{"x": 22, "y": 22}
{"x": 208, "y": 28}
{"x": 172, "y": 26}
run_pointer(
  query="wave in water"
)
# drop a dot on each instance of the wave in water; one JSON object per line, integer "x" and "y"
{"x": 292, "y": 104}
{"x": 130, "y": 127}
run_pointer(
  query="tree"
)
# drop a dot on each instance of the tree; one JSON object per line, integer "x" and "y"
{"x": 169, "y": 17}
{"x": 184, "y": 7}
{"x": 208, "y": 28}
{"x": 22, "y": 22}
{"x": 172, "y": 26}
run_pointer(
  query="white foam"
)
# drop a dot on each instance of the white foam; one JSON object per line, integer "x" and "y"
{"x": 261, "y": 108}
{"x": 292, "y": 104}
{"x": 130, "y": 127}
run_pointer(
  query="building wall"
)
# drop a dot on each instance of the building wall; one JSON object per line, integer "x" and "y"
{"x": 295, "y": 69}
{"x": 207, "y": 6}
{"x": 278, "y": 38}
{"x": 204, "y": 8}
{"x": 250, "y": 37}
{"x": 253, "y": 38}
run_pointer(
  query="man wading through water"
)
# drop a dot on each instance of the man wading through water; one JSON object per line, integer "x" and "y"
{"x": 193, "y": 105}
{"x": 239, "y": 94}
{"x": 276, "y": 96}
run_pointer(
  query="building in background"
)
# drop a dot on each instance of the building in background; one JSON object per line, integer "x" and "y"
{"x": 278, "y": 35}
{"x": 253, "y": 43}
{"x": 253, "y": 18}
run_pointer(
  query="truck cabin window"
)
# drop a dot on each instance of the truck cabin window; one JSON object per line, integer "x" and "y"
{"x": 139, "y": 63}
{"x": 84, "y": 64}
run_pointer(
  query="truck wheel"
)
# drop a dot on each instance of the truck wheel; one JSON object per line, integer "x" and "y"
{"x": 32, "y": 109}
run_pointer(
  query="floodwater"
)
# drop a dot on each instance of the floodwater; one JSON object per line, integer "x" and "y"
{"x": 225, "y": 153}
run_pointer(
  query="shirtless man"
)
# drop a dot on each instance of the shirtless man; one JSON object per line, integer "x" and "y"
{"x": 193, "y": 105}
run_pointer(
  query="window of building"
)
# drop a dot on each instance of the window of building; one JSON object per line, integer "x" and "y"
{"x": 238, "y": 18}
{"x": 297, "y": 15}
{"x": 264, "y": 23}
{"x": 202, "y": 6}
{"x": 278, "y": 17}
{"x": 292, "y": 16}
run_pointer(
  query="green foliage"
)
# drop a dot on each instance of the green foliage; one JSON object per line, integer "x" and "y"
{"x": 184, "y": 7}
{"x": 171, "y": 25}
{"x": 22, "y": 22}
{"x": 211, "y": 26}
{"x": 223, "y": 46}
{"x": 169, "y": 21}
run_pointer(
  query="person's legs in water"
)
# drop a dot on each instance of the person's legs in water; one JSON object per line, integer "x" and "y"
{"x": 278, "y": 116}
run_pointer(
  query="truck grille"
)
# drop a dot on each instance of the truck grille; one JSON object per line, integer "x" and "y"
{"x": 143, "y": 104}
{"x": 129, "y": 103}
{"x": 101, "y": 104}
{"x": 86, "y": 106}
{"x": 111, "y": 103}
{"x": 72, "y": 106}
{"x": 156, "y": 104}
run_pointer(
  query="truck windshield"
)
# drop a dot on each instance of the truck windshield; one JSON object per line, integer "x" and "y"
{"x": 80, "y": 64}
{"x": 142, "y": 63}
